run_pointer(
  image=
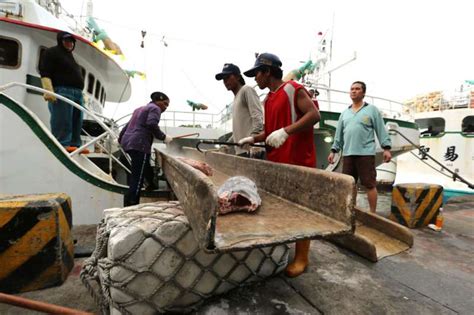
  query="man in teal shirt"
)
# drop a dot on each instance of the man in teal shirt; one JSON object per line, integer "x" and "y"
{"x": 355, "y": 135}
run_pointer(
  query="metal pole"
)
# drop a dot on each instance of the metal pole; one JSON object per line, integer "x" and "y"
{"x": 37, "y": 305}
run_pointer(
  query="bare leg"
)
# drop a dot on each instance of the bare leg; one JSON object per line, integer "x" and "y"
{"x": 372, "y": 198}
{"x": 300, "y": 262}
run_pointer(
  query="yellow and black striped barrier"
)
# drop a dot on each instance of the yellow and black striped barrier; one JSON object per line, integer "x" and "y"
{"x": 416, "y": 205}
{"x": 36, "y": 246}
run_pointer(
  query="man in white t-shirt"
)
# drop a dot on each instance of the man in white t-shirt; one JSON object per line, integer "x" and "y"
{"x": 247, "y": 112}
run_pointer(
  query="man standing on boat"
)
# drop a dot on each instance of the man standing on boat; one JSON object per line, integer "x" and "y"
{"x": 136, "y": 138}
{"x": 247, "y": 114}
{"x": 355, "y": 135}
{"x": 288, "y": 133}
{"x": 61, "y": 74}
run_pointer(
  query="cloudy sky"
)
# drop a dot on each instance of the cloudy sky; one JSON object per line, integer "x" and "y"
{"x": 404, "y": 47}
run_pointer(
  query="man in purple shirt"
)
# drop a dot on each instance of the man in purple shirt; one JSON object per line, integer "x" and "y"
{"x": 136, "y": 138}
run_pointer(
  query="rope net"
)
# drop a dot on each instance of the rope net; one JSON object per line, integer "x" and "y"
{"x": 147, "y": 260}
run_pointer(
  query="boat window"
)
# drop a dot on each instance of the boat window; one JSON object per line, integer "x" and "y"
{"x": 468, "y": 125}
{"x": 97, "y": 89}
{"x": 102, "y": 95}
{"x": 90, "y": 83}
{"x": 10, "y": 53}
{"x": 40, "y": 55}
{"x": 83, "y": 71}
{"x": 431, "y": 127}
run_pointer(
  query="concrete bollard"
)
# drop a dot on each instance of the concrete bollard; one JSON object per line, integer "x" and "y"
{"x": 416, "y": 205}
{"x": 36, "y": 246}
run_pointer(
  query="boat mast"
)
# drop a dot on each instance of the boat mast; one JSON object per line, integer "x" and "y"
{"x": 53, "y": 6}
{"x": 330, "y": 50}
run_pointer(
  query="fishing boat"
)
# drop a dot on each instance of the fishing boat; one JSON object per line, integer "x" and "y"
{"x": 32, "y": 160}
{"x": 446, "y": 152}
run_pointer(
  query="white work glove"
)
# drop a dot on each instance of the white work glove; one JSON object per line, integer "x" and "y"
{"x": 277, "y": 138}
{"x": 168, "y": 139}
{"x": 245, "y": 143}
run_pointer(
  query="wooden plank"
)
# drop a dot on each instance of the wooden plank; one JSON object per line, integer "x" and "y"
{"x": 197, "y": 196}
{"x": 392, "y": 229}
{"x": 331, "y": 194}
{"x": 297, "y": 202}
{"x": 376, "y": 237}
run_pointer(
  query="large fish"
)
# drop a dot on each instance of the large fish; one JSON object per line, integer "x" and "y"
{"x": 238, "y": 194}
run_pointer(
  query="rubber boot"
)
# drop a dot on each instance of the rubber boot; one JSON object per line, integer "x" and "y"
{"x": 300, "y": 262}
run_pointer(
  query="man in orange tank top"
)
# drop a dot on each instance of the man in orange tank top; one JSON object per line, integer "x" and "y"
{"x": 290, "y": 115}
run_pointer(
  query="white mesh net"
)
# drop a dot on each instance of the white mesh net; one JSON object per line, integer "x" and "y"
{"x": 147, "y": 260}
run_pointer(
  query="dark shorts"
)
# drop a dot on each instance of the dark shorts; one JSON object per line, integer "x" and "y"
{"x": 361, "y": 166}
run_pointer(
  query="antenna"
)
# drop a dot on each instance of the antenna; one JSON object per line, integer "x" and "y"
{"x": 142, "y": 45}
{"x": 90, "y": 9}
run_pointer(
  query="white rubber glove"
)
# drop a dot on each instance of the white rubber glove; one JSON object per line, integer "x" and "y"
{"x": 245, "y": 143}
{"x": 277, "y": 138}
{"x": 168, "y": 139}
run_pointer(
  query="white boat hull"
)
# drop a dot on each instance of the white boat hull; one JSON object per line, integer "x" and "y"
{"x": 452, "y": 148}
{"x": 30, "y": 165}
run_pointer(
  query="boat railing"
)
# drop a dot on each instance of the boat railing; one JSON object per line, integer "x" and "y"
{"x": 190, "y": 119}
{"x": 182, "y": 119}
{"x": 93, "y": 115}
{"x": 337, "y": 100}
{"x": 329, "y": 99}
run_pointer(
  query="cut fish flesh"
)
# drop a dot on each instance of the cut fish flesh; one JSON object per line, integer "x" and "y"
{"x": 238, "y": 193}
{"x": 201, "y": 166}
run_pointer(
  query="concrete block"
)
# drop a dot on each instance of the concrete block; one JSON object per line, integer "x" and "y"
{"x": 36, "y": 246}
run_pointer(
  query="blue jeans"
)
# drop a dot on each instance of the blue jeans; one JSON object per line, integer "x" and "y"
{"x": 66, "y": 121}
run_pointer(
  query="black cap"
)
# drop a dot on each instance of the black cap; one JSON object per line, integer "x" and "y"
{"x": 229, "y": 68}
{"x": 158, "y": 96}
{"x": 265, "y": 59}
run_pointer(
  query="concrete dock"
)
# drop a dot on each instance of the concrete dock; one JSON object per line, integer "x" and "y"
{"x": 436, "y": 276}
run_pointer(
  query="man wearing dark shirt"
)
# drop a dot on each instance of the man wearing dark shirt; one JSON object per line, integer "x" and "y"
{"x": 61, "y": 74}
{"x": 136, "y": 138}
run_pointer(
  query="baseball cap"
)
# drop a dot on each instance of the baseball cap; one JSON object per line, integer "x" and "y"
{"x": 229, "y": 68}
{"x": 265, "y": 59}
{"x": 159, "y": 96}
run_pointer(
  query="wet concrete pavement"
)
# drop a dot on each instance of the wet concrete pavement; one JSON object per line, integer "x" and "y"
{"x": 436, "y": 276}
